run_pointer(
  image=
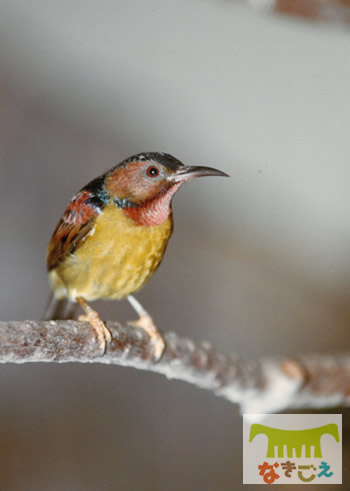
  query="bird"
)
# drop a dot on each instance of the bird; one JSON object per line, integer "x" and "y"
{"x": 113, "y": 235}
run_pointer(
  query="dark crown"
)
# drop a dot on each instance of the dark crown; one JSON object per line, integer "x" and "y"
{"x": 164, "y": 159}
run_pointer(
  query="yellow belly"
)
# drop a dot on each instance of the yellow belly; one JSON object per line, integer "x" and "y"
{"x": 116, "y": 259}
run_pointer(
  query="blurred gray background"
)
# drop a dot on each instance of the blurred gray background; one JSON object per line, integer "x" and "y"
{"x": 258, "y": 264}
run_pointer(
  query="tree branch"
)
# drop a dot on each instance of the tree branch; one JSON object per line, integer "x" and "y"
{"x": 266, "y": 385}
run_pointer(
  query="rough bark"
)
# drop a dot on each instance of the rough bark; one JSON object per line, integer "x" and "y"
{"x": 260, "y": 386}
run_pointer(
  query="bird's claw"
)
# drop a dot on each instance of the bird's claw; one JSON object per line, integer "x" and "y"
{"x": 103, "y": 334}
{"x": 146, "y": 323}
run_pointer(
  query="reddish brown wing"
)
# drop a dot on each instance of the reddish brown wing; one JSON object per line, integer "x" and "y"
{"x": 76, "y": 222}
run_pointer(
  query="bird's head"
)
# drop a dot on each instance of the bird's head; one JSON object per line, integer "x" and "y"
{"x": 144, "y": 185}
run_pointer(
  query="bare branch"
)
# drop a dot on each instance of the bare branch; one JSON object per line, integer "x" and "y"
{"x": 266, "y": 385}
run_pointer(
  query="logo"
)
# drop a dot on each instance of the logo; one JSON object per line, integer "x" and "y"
{"x": 292, "y": 449}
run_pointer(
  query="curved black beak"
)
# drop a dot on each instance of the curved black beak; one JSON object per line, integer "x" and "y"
{"x": 187, "y": 172}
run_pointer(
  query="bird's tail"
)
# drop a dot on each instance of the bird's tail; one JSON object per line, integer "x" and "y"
{"x": 59, "y": 309}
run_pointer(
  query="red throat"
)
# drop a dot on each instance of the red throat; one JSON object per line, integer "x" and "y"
{"x": 155, "y": 211}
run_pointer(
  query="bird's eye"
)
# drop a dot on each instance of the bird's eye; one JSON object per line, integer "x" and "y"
{"x": 152, "y": 171}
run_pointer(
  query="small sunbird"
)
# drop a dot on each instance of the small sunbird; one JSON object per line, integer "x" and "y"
{"x": 113, "y": 235}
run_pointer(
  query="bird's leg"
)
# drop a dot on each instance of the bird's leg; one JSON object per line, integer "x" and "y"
{"x": 92, "y": 316}
{"x": 146, "y": 323}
